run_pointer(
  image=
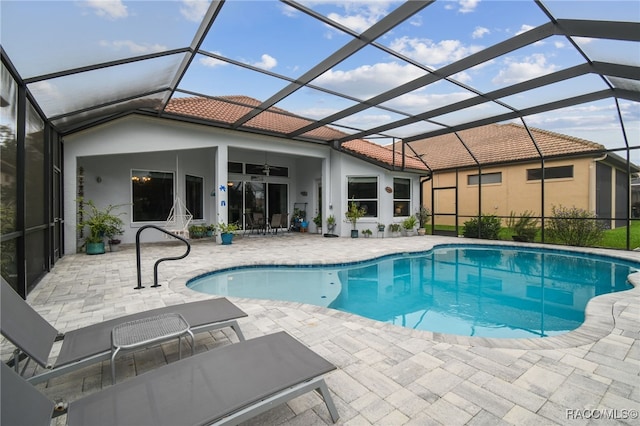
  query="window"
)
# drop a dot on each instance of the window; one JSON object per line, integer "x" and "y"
{"x": 550, "y": 173}
{"x": 486, "y": 178}
{"x": 194, "y": 188}
{"x": 401, "y": 196}
{"x": 152, "y": 195}
{"x": 364, "y": 192}
{"x": 233, "y": 167}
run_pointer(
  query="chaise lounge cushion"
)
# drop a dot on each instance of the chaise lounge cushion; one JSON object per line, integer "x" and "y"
{"x": 95, "y": 339}
{"x": 203, "y": 388}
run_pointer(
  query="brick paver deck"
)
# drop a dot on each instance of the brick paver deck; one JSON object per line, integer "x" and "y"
{"x": 386, "y": 375}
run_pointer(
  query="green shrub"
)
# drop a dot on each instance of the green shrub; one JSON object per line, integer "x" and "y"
{"x": 574, "y": 226}
{"x": 524, "y": 226}
{"x": 486, "y": 227}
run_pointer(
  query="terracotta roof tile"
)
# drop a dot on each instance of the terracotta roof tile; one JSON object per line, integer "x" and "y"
{"x": 229, "y": 109}
{"x": 497, "y": 143}
{"x": 383, "y": 154}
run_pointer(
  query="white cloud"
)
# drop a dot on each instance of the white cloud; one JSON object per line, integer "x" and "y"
{"x": 46, "y": 90}
{"x": 517, "y": 71}
{"x": 316, "y": 112}
{"x": 112, "y": 9}
{"x": 135, "y": 48}
{"x": 433, "y": 54}
{"x": 365, "y": 120}
{"x": 289, "y": 11}
{"x": 416, "y": 20}
{"x": 524, "y": 28}
{"x": 194, "y": 10}
{"x": 462, "y": 77}
{"x": 582, "y": 40}
{"x": 369, "y": 80}
{"x": 360, "y": 15}
{"x": 480, "y": 32}
{"x": 417, "y": 101}
{"x": 267, "y": 62}
{"x": 358, "y": 23}
{"x": 210, "y": 62}
{"x": 468, "y": 6}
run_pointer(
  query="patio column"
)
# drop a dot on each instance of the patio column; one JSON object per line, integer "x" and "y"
{"x": 221, "y": 174}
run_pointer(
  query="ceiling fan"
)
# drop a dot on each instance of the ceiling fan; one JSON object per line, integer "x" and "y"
{"x": 266, "y": 168}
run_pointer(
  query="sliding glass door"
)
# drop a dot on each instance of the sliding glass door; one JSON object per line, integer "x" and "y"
{"x": 266, "y": 199}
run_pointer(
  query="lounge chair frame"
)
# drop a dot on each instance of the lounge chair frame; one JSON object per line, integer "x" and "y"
{"x": 266, "y": 371}
{"x": 34, "y": 337}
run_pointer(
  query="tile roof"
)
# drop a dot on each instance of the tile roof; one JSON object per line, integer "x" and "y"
{"x": 384, "y": 154}
{"x": 498, "y": 143}
{"x": 228, "y": 109}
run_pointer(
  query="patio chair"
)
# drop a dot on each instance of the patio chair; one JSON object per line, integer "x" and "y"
{"x": 284, "y": 221}
{"x": 227, "y": 385}
{"x": 250, "y": 224}
{"x": 275, "y": 222}
{"x": 34, "y": 337}
{"x": 258, "y": 220}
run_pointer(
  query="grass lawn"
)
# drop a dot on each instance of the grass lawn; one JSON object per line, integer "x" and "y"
{"x": 617, "y": 238}
{"x": 613, "y": 238}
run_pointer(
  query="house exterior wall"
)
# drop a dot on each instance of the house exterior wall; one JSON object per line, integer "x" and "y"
{"x": 352, "y": 167}
{"x": 109, "y": 152}
{"x": 515, "y": 193}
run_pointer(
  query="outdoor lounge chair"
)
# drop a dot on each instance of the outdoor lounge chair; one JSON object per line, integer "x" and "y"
{"x": 227, "y": 385}
{"x": 35, "y": 337}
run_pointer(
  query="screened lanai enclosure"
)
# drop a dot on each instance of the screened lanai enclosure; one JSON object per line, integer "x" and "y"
{"x": 411, "y": 75}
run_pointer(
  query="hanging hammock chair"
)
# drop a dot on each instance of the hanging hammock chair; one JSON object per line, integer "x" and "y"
{"x": 179, "y": 219}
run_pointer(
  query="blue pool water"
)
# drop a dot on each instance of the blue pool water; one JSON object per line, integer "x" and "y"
{"x": 471, "y": 290}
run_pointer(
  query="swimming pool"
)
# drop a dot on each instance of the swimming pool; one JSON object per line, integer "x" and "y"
{"x": 471, "y": 290}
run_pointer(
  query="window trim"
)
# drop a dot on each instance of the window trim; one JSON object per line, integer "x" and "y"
{"x": 407, "y": 200}
{"x": 547, "y": 169}
{"x": 376, "y": 200}
{"x": 173, "y": 178}
{"x": 483, "y": 175}
{"x": 202, "y": 195}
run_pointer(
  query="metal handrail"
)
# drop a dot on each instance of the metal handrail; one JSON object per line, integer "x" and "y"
{"x": 155, "y": 266}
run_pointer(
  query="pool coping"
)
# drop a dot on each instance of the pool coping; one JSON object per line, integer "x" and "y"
{"x": 601, "y": 311}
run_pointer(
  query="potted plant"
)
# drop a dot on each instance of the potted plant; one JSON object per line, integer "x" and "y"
{"x": 197, "y": 231}
{"x": 226, "y": 232}
{"x": 114, "y": 230}
{"x": 423, "y": 215}
{"x": 318, "y": 221}
{"x": 366, "y": 232}
{"x": 299, "y": 220}
{"x": 353, "y": 214}
{"x": 381, "y": 227}
{"x": 331, "y": 223}
{"x": 100, "y": 222}
{"x": 409, "y": 224}
{"x": 523, "y": 226}
{"x": 210, "y": 230}
{"x": 394, "y": 228}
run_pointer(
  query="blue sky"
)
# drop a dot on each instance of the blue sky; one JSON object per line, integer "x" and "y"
{"x": 273, "y": 36}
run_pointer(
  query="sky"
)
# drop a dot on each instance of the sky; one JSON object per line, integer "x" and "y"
{"x": 275, "y": 37}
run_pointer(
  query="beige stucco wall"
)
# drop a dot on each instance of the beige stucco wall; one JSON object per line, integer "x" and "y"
{"x": 514, "y": 193}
